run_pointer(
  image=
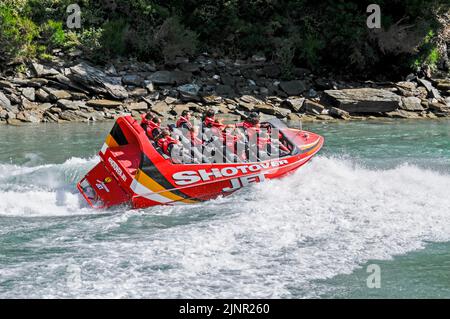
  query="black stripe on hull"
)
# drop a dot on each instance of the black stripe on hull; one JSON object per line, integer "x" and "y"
{"x": 118, "y": 135}
{"x": 152, "y": 171}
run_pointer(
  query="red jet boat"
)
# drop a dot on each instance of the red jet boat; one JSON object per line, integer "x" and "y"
{"x": 133, "y": 171}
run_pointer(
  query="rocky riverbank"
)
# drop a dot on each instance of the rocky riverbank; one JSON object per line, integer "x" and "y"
{"x": 64, "y": 91}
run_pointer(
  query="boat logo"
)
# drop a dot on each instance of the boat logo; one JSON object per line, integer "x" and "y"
{"x": 191, "y": 177}
{"x": 117, "y": 169}
{"x": 101, "y": 185}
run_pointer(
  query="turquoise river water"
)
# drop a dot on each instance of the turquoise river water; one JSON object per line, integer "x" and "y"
{"x": 377, "y": 193}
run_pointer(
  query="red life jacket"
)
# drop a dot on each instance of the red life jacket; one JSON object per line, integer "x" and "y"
{"x": 247, "y": 125}
{"x": 165, "y": 143}
{"x": 182, "y": 120}
{"x": 151, "y": 126}
{"x": 211, "y": 122}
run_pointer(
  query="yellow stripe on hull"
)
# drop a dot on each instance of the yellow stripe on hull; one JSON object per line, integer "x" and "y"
{"x": 110, "y": 141}
{"x": 152, "y": 185}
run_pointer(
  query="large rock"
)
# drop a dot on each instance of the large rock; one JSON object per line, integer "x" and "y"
{"x": 97, "y": 81}
{"x": 314, "y": 108}
{"x": 27, "y": 104}
{"x": 42, "y": 70}
{"x": 55, "y": 95}
{"x": 132, "y": 79}
{"x": 365, "y": 100}
{"x": 189, "y": 92}
{"x": 412, "y": 104}
{"x": 161, "y": 108}
{"x": 134, "y": 106}
{"x": 70, "y": 105}
{"x": 102, "y": 103}
{"x": 170, "y": 77}
{"x": 31, "y": 117}
{"x": 4, "y": 101}
{"x": 29, "y": 93}
{"x": 295, "y": 87}
{"x": 42, "y": 95}
{"x": 338, "y": 113}
{"x": 265, "y": 108}
{"x": 295, "y": 104}
{"x": 432, "y": 91}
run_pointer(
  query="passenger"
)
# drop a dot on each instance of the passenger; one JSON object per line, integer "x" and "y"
{"x": 184, "y": 120}
{"x": 210, "y": 121}
{"x": 153, "y": 127}
{"x": 269, "y": 147}
{"x": 145, "y": 118}
{"x": 166, "y": 142}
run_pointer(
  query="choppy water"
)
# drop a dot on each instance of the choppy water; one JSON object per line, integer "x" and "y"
{"x": 377, "y": 193}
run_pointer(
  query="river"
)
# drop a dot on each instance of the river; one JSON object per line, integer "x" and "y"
{"x": 377, "y": 193}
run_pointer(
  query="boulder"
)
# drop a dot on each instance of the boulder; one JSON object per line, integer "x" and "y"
{"x": 136, "y": 106}
{"x": 103, "y": 103}
{"x": 177, "y": 109}
{"x": 338, "y": 113}
{"x": 6, "y": 85}
{"x": 42, "y": 96}
{"x": 295, "y": 87}
{"x": 70, "y": 105}
{"x": 189, "y": 92}
{"x": 402, "y": 114}
{"x": 161, "y": 108}
{"x": 432, "y": 91}
{"x": 443, "y": 84}
{"x": 31, "y": 117}
{"x": 97, "y": 81}
{"x": 170, "y": 77}
{"x": 405, "y": 85}
{"x": 265, "y": 108}
{"x": 70, "y": 115}
{"x": 4, "y": 101}
{"x": 295, "y": 104}
{"x": 283, "y": 112}
{"x": 412, "y": 104}
{"x": 314, "y": 108}
{"x": 42, "y": 70}
{"x": 56, "y": 95}
{"x": 364, "y": 100}
{"x": 29, "y": 93}
{"x": 138, "y": 92}
{"x": 27, "y": 104}
{"x": 132, "y": 79}
{"x": 438, "y": 107}
{"x": 51, "y": 117}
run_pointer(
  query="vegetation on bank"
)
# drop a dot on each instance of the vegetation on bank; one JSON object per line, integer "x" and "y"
{"x": 329, "y": 35}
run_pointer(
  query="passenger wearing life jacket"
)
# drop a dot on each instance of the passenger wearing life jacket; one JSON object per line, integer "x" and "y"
{"x": 210, "y": 121}
{"x": 152, "y": 125}
{"x": 266, "y": 146}
{"x": 166, "y": 142}
{"x": 184, "y": 122}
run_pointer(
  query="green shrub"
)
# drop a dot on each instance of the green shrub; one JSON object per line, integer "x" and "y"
{"x": 17, "y": 34}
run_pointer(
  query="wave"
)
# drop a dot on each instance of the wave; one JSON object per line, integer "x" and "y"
{"x": 272, "y": 240}
{"x": 42, "y": 190}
